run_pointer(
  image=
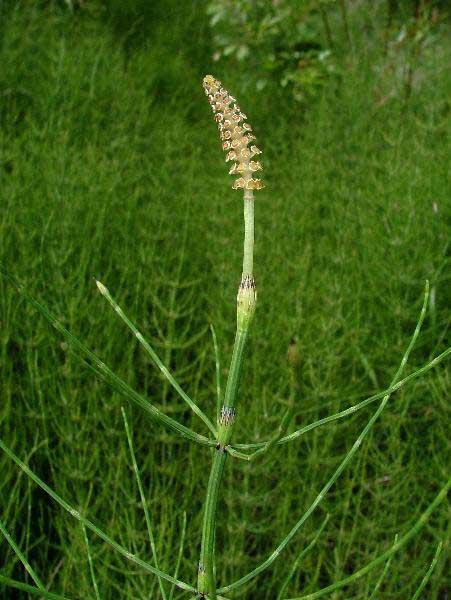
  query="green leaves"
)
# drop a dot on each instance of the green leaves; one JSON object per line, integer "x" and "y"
{"x": 274, "y": 42}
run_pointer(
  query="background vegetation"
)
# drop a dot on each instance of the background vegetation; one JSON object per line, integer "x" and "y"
{"x": 110, "y": 167}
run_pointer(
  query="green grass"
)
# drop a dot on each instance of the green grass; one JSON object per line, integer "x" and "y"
{"x": 110, "y": 168}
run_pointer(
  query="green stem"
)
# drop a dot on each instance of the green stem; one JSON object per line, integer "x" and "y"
{"x": 426, "y": 578}
{"x": 206, "y": 583}
{"x": 235, "y": 368}
{"x": 22, "y": 558}
{"x": 91, "y": 566}
{"x": 248, "y": 254}
{"x": 206, "y": 576}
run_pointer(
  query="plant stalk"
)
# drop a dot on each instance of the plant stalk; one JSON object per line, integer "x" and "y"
{"x": 248, "y": 250}
{"x": 246, "y": 301}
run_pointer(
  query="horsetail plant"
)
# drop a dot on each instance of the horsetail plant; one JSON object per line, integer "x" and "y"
{"x": 236, "y": 137}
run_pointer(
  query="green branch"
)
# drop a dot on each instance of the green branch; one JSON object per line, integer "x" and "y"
{"x": 383, "y": 574}
{"x": 34, "y": 591}
{"x": 101, "y": 369}
{"x": 386, "y": 555}
{"x": 429, "y": 572}
{"x": 344, "y": 413}
{"x": 274, "y": 555}
{"x": 21, "y": 556}
{"x": 90, "y": 563}
{"x": 154, "y": 356}
{"x": 302, "y": 554}
{"x": 143, "y": 500}
{"x": 89, "y": 525}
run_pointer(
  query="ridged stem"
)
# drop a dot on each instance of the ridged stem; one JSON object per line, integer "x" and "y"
{"x": 248, "y": 254}
{"x": 206, "y": 583}
{"x": 233, "y": 379}
{"x": 206, "y": 577}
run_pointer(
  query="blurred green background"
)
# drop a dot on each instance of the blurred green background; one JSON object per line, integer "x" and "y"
{"x": 110, "y": 167}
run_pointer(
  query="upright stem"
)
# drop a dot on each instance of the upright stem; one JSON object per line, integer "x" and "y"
{"x": 246, "y": 301}
{"x": 248, "y": 253}
{"x": 206, "y": 581}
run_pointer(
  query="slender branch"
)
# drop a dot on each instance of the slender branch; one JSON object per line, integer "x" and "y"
{"x": 283, "y": 426}
{"x": 303, "y": 553}
{"x": 154, "y": 356}
{"x": 383, "y": 574}
{"x": 429, "y": 572}
{"x": 265, "y": 564}
{"x": 101, "y": 369}
{"x": 34, "y": 591}
{"x": 89, "y": 525}
{"x": 348, "y": 411}
{"x": 91, "y": 566}
{"x": 386, "y": 555}
{"x": 143, "y": 500}
{"x": 180, "y": 554}
{"x": 21, "y": 556}
{"x": 237, "y": 454}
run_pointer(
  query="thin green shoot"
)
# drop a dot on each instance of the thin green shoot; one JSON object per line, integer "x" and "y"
{"x": 21, "y": 557}
{"x": 301, "y": 555}
{"x": 180, "y": 554}
{"x": 143, "y": 500}
{"x": 89, "y": 525}
{"x": 428, "y": 572}
{"x": 383, "y": 574}
{"x": 265, "y": 564}
{"x": 154, "y": 356}
{"x": 91, "y": 565}
{"x": 386, "y": 555}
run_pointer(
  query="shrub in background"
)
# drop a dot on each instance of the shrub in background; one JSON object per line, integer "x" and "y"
{"x": 278, "y": 41}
